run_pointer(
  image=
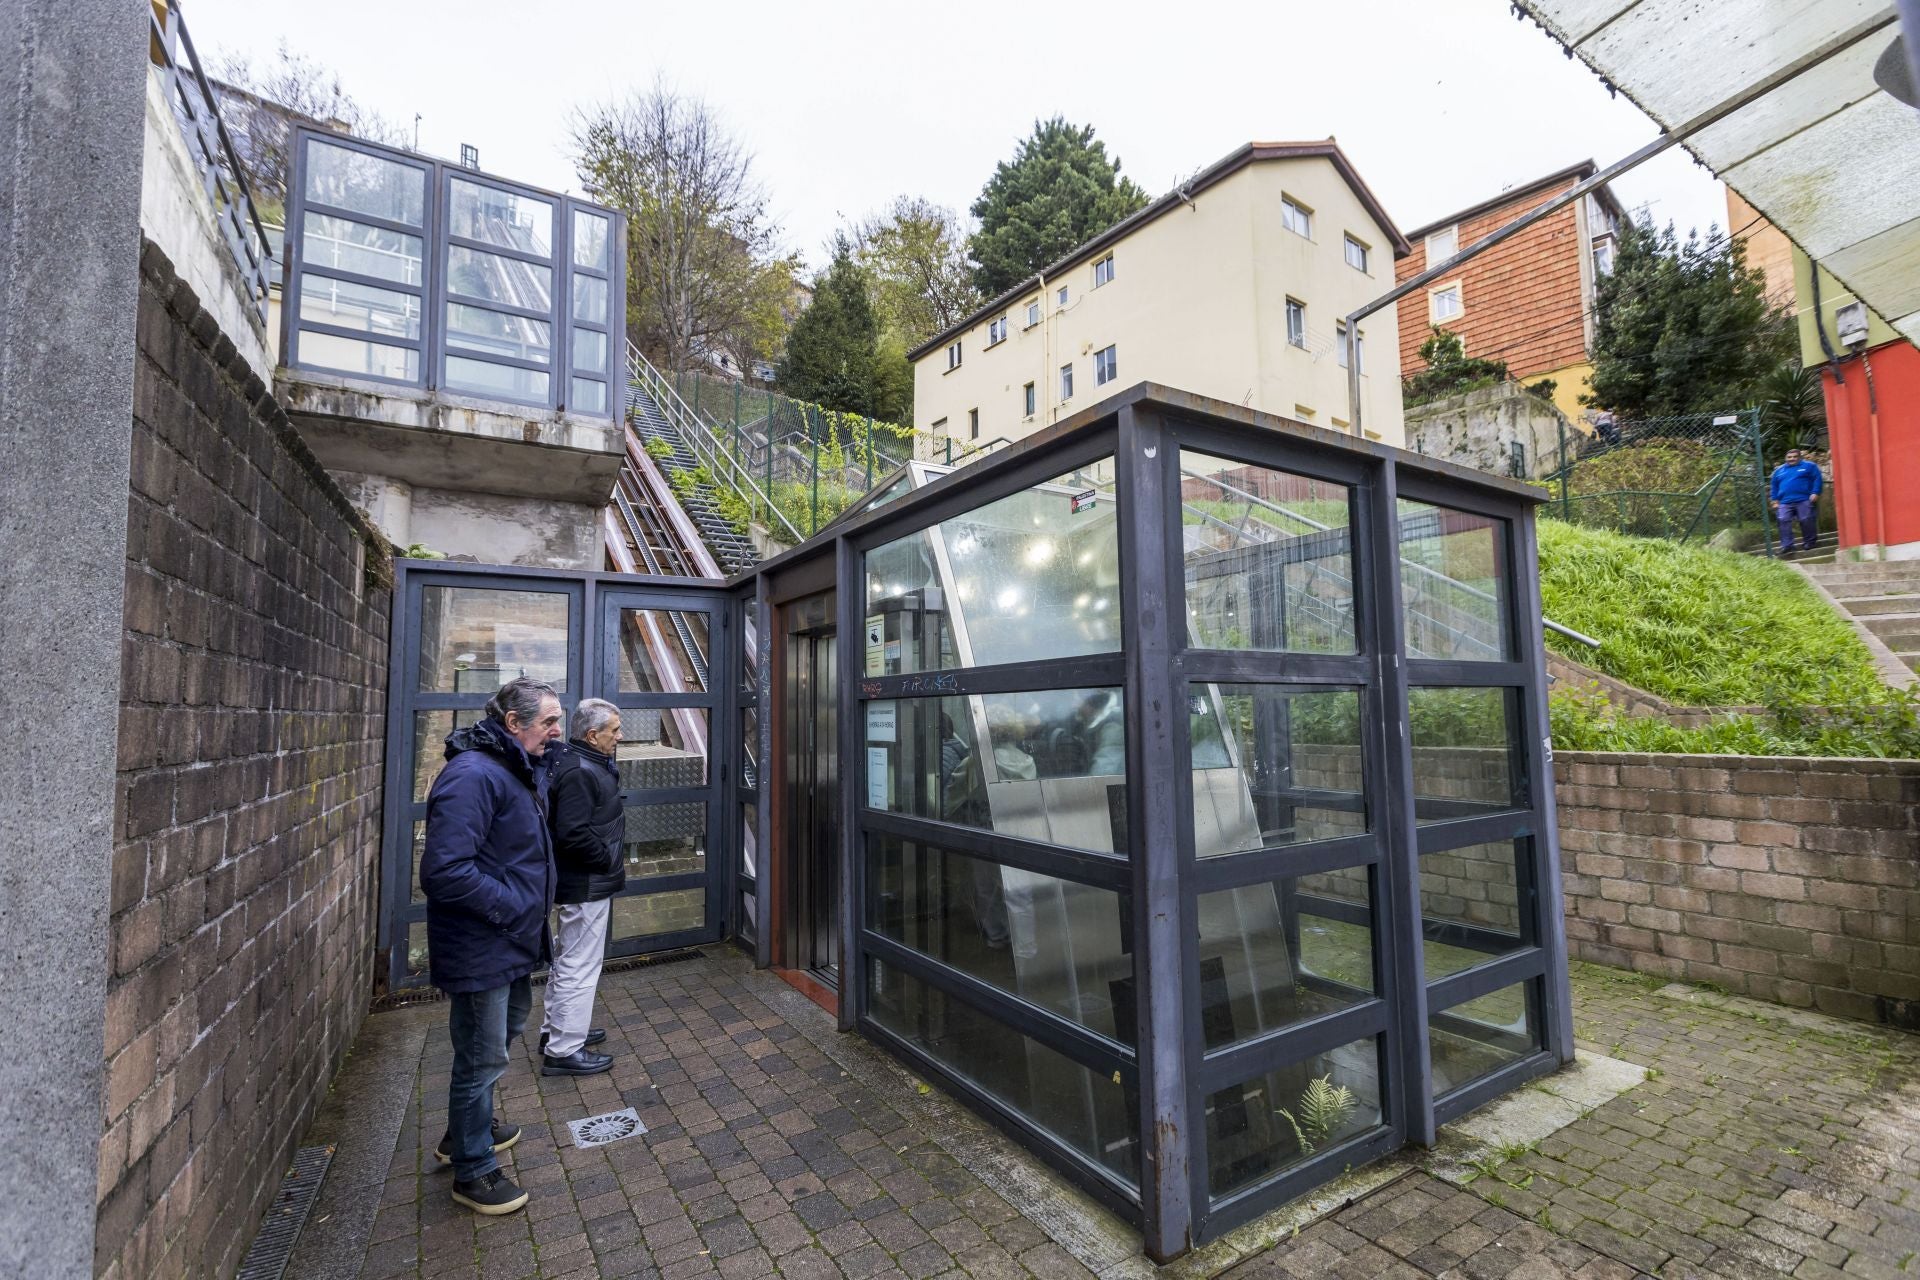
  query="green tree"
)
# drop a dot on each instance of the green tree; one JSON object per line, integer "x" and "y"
{"x": 1449, "y": 370}
{"x": 1059, "y": 189}
{"x": 915, "y": 256}
{"x": 835, "y": 355}
{"x": 1793, "y": 409}
{"x": 1682, "y": 327}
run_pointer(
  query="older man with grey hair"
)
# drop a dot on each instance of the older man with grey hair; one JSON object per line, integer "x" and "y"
{"x": 588, "y": 823}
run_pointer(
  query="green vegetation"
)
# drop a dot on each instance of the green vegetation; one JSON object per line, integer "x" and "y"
{"x": 659, "y": 450}
{"x": 835, "y": 351}
{"x": 1449, "y": 371}
{"x": 1060, "y": 189}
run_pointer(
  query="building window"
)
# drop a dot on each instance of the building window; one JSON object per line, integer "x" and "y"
{"x": 1445, "y": 302}
{"x": 1296, "y": 322}
{"x": 1066, "y": 382}
{"x": 1442, "y": 244}
{"x": 973, "y": 424}
{"x": 939, "y": 428}
{"x": 1103, "y": 271}
{"x": 1296, "y": 217}
{"x": 1356, "y": 254}
{"x": 997, "y": 331}
{"x": 1031, "y": 397}
{"x": 1063, "y": 295}
{"x": 1033, "y": 313}
{"x": 1340, "y": 345}
{"x": 953, "y": 357}
{"x": 1603, "y": 256}
{"x": 1106, "y": 366}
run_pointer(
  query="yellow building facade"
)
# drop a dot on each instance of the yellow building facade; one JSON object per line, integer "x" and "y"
{"x": 1233, "y": 286}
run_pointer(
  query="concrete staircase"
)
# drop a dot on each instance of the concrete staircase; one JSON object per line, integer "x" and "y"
{"x": 733, "y": 549}
{"x": 1882, "y": 595}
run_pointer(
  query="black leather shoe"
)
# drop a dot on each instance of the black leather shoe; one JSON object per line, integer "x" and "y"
{"x": 585, "y": 1062}
{"x": 504, "y": 1136}
{"x": 594, "y": 1036}
{"x": 492, "y": 1194}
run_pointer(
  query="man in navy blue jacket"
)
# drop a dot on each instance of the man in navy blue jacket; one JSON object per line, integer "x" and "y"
{"x": 1793, "y": 490}
{"x": 487, "y": 873}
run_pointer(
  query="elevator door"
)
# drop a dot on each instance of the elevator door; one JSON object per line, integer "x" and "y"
{"x": 812, "y": 899}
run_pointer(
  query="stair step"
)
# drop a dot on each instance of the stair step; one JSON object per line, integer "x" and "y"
{"x": 1872, "y": 606}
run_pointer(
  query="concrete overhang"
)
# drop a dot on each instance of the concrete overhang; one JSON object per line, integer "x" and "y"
{"x": 438, "y": 441}
{"x": 1829, "y": 156}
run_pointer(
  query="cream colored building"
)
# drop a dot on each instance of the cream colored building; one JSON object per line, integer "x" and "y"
{"x": 1234, "y": 285}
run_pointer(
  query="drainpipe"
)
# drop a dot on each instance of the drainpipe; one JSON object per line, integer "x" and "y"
{"x": 1873, "y": 435}
{"x": 1820, "y": 326}
{"x": 1046, "y": 354}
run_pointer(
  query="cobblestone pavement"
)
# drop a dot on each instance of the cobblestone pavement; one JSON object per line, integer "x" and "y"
{"x": 1758, "y": 1147}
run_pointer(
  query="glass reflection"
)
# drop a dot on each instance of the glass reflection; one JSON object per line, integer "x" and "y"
{"x": 647, "y": 914}
{"x": 495, "y": 333}
{"x": 1087, "y": 1112}
{"x": 352, "y": 355}
{"x": 589, "y": 299}
{"x": 1481, "y": 1036}
{"x": 589, "y": 396}
{"x": 1471, "y": 906}
{"x": 1290, "y": 766}
{"x": 590, "y": 231}
{"x": 1064, "y": 946}
{"x": 1268, "y": 558}
{"x": 1279, "y": 953}
{"x": 590, "y": 350}
{"x": 665, "y": 840}
{"x": 1454, "y": 582}
{"x": 1464, "y": 763}
{"x": 1278, "y": 1119}
{"x": 346, "y": 305}
{"x": 362, "y": 249}
{"x": 662, "y": 747}
{"x": 504, "y": 218}
{"x": 361, "y": 183}
{"x": 663, "y": 650}
{"x": 475, "y": 639}
{"x": 492, "y": 277}
{"x": 505, "y": 382}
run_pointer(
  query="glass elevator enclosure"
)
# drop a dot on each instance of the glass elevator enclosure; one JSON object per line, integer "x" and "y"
{"x": 1193, "y": 814}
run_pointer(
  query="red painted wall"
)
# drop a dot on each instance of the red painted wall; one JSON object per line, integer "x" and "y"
{"x": 1876, "y": 506}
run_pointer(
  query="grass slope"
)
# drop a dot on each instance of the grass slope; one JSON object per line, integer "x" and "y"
{"x": 1699, "y": 627}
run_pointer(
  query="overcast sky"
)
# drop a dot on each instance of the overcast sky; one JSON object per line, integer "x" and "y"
{"x": 1439, "y": 103}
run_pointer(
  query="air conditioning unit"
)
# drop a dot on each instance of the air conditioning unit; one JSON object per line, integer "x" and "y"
{"x": 1851, "y": 321}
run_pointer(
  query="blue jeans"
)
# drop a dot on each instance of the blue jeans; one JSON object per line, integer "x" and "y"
{"x": 482, "y": 1024}
{"x": 1801, "y": 512}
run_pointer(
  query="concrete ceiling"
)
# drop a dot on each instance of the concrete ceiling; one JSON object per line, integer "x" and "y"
{"x": 1828, "y": 156}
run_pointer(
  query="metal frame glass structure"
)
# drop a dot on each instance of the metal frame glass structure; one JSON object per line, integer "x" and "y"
{"x": 410, "y": 271}
{"x": 1196, "y": 816}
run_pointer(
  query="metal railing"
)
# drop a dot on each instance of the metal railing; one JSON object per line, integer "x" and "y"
{"x": 196, "y": 110}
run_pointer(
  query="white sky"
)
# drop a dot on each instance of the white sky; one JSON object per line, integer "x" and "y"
{"x": 1439, "y": 103}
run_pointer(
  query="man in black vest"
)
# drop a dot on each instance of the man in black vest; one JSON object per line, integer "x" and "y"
{"x": 589, "y": 823}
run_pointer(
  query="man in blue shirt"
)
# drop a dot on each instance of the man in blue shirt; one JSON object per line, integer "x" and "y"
{"x": 1794, "y": 489}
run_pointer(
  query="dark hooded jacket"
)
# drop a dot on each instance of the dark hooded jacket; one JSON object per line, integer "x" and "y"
{"x": 487, "y": 868}
{"x": 589, "y": 824}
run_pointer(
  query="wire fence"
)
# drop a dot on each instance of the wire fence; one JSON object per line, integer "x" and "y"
{"x": 1689, "y": 477}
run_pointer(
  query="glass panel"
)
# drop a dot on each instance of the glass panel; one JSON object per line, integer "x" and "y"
{"x": 1472, "y": 1039}
{"x": 475, "y": 639}
{"x": 496, "y": 333}
{"x": 590, "y": 232}
{"x": 1471, "y": 908}
{"x": 1454, "y": 583}
{"x": 1279, "y": 953}
{"x": 1463, "y": 756}
{"x": 361, "y": 249}
{"x": 1269, "y": 562}
{"x": 345, "y": 305}
{"x": 417, "y": 949}
{"x": 589, "y": 396}
{"x": 1084, "y": 1111}
{"x": 749, "y": 747}
{"x": 1035, "y": 575}
{"x": 1287, "y": 772}
{"x": 490, "y": 277}
{"x": 362, "y": 183}
{"x": 665, "y": 840}
{"x": 589, "y": 299}
{"x": 589, "y": 350}
{"x": 504, "y": 218}
{"x": 654, "y": 657}
{"x": 1278, "y": 1119}
{"x": 645, "y": 915}
{"x": 498, "y": 380}
{"x": 352, "y": 355}
{"x": 1064, "y": 946}
{"x": 430, "y": 732}
{"x": 419, "y": 847}
{"x": 749, "y": 839}
{"x": 662, "y": 748}
{"x": 1056, "y": 772}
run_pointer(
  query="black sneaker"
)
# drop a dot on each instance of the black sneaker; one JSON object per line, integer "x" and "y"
{"x": 584, "y": 1062}
{"x": 594, "y": 1036}
{"x": 504, "y": 1136}
{"x": 491, "y": 1193}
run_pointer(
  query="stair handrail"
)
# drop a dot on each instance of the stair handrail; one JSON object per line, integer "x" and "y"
{"x": 700, "y": 438}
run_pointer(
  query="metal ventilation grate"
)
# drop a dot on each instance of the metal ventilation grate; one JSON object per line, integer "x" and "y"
{"x": 598, "y": 1131}
{"x": 273, "y": 1243}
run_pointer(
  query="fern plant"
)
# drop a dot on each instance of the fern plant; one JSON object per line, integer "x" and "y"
{"x": 1324, "y": 1108}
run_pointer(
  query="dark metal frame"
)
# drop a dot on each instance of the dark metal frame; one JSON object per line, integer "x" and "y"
{"x": 1143, "y": 430}
{"x": 594, "y": 601}
{"x": 437, "y": 242}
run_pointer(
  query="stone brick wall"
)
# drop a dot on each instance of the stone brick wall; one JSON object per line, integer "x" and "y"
{"x": 1791, "y": 880}
{"x": 248, "y": 806}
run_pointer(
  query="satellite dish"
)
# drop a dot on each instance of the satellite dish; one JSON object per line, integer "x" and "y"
{"x": 1894, "y": 72}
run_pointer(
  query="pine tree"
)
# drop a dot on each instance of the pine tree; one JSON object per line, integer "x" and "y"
{"x": 834, "y": 355}
{"x": 1682, "y": 328}
{"x": 1059, "y": 189}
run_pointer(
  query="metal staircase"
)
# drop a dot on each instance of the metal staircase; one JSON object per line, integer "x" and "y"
{"x": 732, "y": 549}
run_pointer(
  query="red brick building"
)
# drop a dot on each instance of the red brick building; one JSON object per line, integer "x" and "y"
{"x": 1529, "y": 300}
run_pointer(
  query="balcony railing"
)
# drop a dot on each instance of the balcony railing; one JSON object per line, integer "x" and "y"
{"x": 196, "y": 110}
{"x": 413, "y": 271}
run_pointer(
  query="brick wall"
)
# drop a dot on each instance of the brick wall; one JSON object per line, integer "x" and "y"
{"x": 1791, "y": 880}
{"x": 248, "y": 806}
{"x": 1522, "y": 299}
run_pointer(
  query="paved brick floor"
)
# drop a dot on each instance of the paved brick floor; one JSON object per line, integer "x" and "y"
{"x": 1759, "y": 1147}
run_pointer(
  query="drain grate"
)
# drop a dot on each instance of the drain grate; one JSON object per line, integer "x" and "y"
{"x": 273, "y": 1244}
{"x": 598, "y": 1131}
